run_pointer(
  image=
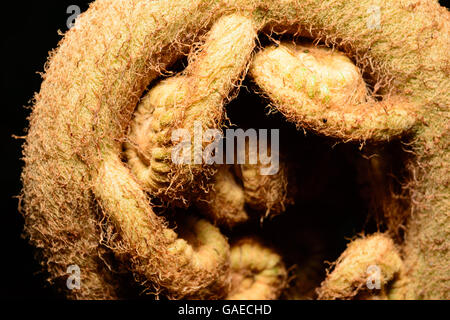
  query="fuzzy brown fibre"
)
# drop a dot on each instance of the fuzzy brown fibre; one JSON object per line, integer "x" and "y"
{"x": 257, "y": 272}
{"x": 76, "y": 188}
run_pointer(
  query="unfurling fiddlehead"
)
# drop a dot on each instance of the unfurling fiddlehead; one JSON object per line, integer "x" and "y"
{"x": 374, "y": 259}
{"x": 247, "y": 186}
{"x": 88, "y": 203}
{"x": 156, "y": 253}
{"x": 196, "y": 96}
{"x": 324, "y": 91}
{"x": 224, "y": 203}
{"x": 269, "y": 193}
{"x": 257, "y": 272}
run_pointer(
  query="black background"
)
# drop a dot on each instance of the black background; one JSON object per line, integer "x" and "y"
{"x": 29, "y": 33}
